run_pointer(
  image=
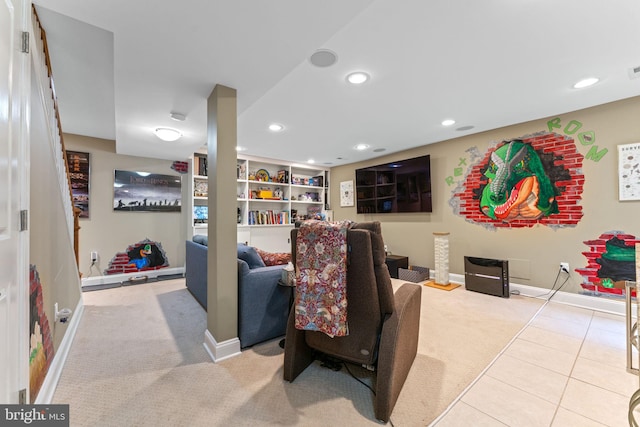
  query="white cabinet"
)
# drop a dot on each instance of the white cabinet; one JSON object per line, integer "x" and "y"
{"x": 271, "y": 196}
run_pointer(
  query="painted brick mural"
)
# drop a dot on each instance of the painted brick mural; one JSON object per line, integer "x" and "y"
{"x": 40, "y": 343}
{"x": 142, "y": 256}
{"x": 610, "y": 262}
{"x": 547, "y": 183}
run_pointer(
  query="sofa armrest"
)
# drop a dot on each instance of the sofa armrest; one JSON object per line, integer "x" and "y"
{"x": 195, "y": 271}
{"x": 263, "y": 305}
{"x": 398, "y": 348}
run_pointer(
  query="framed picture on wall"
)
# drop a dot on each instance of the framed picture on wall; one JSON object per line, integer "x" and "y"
{"x": 629, "y": 171}
{"x": 79, "y": 170}
{"x": 146, "y": 192}
{"x": 346, "y": 193}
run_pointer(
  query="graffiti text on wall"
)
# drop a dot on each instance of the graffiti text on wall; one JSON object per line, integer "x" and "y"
{"x": 586, "y": 138}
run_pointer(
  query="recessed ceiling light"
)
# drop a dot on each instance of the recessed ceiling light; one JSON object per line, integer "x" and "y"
{"x": 586, "y": 82}
{"x": 358, "y": 77}
{"x": 239, "y": 148}
{"x": 323, "y": 58}
{"x": 168, "y": 134}
{"x": 276, "y": 127}
{"x": 361, "y": 147}
{"x": 448, "y": 122}
{"x": 179, "y": 117}
{"x": 311, "y": 161}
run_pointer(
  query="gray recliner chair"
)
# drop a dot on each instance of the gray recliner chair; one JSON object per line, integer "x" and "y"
{"x": 383, "y": 326}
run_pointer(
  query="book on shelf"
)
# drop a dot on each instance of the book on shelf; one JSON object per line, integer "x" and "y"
{"x": 267, "y": 217}
{"x": 201, "y": 165}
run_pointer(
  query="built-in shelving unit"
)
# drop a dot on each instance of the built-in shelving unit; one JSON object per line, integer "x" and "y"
{"x": 376, "y": 191}
{"x": 271, "y": 196}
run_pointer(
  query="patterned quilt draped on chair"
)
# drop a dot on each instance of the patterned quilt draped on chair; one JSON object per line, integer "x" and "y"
{"x": 321, "y": 276}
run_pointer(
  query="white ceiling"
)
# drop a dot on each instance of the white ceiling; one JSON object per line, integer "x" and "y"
{"x": 120, "y": 67}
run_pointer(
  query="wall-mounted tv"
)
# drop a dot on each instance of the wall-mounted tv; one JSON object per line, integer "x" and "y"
{"x": 402, "y": 186}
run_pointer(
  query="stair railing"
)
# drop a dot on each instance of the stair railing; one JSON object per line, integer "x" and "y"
{"x": 42, "y": 68}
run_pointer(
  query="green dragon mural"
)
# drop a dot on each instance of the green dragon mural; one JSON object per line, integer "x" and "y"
{"x": 518, "y": 186}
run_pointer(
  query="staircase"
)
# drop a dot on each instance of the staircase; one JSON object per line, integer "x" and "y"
{"x": 42, "y": 70}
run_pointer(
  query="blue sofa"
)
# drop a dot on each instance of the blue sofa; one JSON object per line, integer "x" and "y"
{"x": 263, "y": 305}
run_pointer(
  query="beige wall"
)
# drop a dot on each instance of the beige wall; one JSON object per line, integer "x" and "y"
{"x": 109, "y": 232}
{"x": 534, "y": 253}
{"x": 50, "y": 244}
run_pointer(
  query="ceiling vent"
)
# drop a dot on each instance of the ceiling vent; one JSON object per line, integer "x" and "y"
{"x": 323, "y": 58}
{"x": 634, "y": 72}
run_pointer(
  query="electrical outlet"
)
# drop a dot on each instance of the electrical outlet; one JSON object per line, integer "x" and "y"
{"x": 564, "y": 266}
{"x": 94, "y": 256}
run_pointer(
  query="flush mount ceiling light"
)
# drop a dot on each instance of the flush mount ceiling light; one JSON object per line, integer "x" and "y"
{"x": 586, "y": 82}
{"x": 361, "y": 147}
{"x": 168, "y": 134}
{"x": 276, "y": 127}
{"x": 178, "y": 117}
{"x": 323, "y": 58}
{"x": 358, "y": 77}
{"x": 448, "y": 122}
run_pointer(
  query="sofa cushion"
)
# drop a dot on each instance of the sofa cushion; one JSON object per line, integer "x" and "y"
{"x": 274, "y": 258}
{"x": 249, "y": 255}
{"x": 201, "y": 239}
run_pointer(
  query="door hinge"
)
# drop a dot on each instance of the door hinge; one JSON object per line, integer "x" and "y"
{"x": 24, "y": 220}
{"x": 25, "y": 42}
{"x": 22, "y": 396}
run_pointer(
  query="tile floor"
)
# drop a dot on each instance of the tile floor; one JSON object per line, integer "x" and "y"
{"x": 567, "y": 368}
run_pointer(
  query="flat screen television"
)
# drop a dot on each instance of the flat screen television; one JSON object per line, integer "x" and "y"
{"x": 402, "y": 186}
{"x": 200, "y": 214}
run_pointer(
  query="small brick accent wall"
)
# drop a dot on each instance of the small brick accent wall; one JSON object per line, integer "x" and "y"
{"x": 121, "y": 263}
{"x": 570, "y": 182}
{"x": 597, "y": 247}
{"x": 39, "y": 366}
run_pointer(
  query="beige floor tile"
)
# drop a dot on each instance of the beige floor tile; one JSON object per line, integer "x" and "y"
{"x": 541, "y": 382}
{"x": 565, "y": 327}
{"x": 542, "y": 356}
{"x": 565, "y": 418}
{"x": 508, "y": 404}
{"x": 595, "y": 403}
{"x": 553, "y": 340}
{"x": 592, "y": 350}
{"x": 463, "y": 415}
{"x": 609, "y": 322}
{"x": 606, "y": 338}
{"x": 608, "y": 376}
{"x": 567, "y": 312}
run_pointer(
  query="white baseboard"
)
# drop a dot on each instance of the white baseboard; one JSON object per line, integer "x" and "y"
{"x": 599, "y": 303}
{"x": 223, "y": 350}
{"x": 45, "y": 395}
{"x": 120, "y": 278}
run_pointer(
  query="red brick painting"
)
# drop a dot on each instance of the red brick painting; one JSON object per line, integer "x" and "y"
{"x": 142, "y": 256}
{"x": 610, "y": 262}
{"x": 560, "y": 185}
{"x": 40, "y": 343}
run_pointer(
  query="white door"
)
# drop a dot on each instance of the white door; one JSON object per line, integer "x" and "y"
{"x": 14, "y": 81}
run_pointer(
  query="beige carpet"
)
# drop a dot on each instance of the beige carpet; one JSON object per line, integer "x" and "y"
{"x": 138, "y": 360}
